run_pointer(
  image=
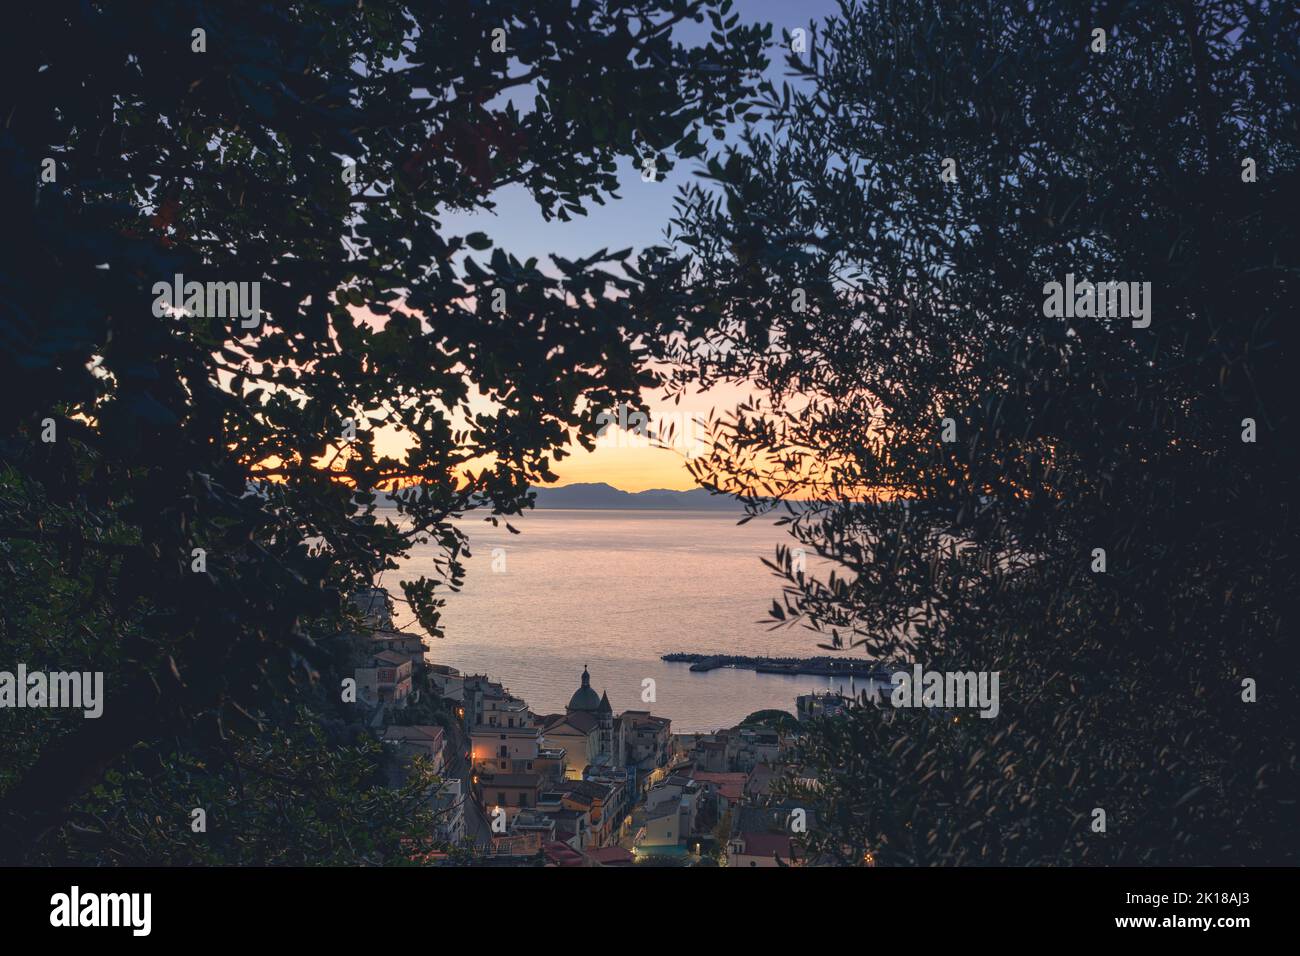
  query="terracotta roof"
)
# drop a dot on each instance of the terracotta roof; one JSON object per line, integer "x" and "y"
{"x": 719, "y": 777}
{"x": 612, "y": 856}
{"x": 586, "y": 788}
{"x": 579, "y": 798}
{"x": 580, "y": 721}
{"x": 730, "y": 785}
{"x": 561, "y": 854}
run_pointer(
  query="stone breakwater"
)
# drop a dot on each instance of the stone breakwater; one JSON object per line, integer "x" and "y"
{"x": 815, "y": 666}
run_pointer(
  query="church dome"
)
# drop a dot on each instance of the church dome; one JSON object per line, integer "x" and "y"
{"x": 584, "y": 698}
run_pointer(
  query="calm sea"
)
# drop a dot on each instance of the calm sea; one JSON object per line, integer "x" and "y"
{"x": 614, "y": 590}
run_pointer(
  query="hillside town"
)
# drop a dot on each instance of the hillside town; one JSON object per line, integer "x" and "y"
{"x": 586, "y": 787}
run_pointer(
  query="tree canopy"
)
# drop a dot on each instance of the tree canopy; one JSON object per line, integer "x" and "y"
{"x": 206, "y": 482}
{"x": 1102, "y": 510}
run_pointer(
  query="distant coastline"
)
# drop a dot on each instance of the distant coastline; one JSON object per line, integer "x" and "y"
{"x": 600, "y": 496}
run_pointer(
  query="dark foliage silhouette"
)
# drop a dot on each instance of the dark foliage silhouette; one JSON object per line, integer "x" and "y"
{"x": 231, "y": 164}
{"x": 883, "y": 308}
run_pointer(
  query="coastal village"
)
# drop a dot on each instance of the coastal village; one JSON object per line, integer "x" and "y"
{"x": 585, "y": 787}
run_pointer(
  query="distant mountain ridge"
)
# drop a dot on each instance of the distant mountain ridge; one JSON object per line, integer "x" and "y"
{"x": 595, "y": 495}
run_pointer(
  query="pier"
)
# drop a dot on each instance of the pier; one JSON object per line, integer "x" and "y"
{"x": 814, "y": 666}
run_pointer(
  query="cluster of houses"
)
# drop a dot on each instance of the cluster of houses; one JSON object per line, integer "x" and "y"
{"x": 586, "y": 787}
{"x": 737, "y": 771}
{"x": 387, "y": 661}
{"x": 549, "y": 781}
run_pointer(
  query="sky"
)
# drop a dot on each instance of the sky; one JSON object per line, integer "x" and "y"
{"x": 637, "y": 220}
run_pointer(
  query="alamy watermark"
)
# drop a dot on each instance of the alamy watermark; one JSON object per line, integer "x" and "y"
{"x": 220, "y": 300}
{"x": 947, "y": 690}
{"x": 1102, "y": 300}
{"x": 624, "y": 427}
{"x": 57, "y": 689}
{"x": 75, "y": 909}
